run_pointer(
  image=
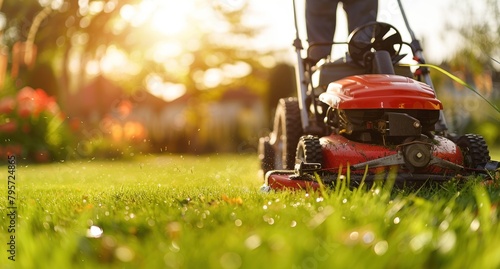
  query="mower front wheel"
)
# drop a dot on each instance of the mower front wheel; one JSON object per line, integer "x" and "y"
{"x": 309, "y": 150}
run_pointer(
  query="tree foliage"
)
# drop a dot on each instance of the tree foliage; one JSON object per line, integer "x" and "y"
{"x": 480, "y": 35}
{"x": 81, "y": 32}
{"x": 476, "y": 61}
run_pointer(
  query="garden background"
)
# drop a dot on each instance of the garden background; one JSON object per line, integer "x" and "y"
{"x": 113, "y": 79}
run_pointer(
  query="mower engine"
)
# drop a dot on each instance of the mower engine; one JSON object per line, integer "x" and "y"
{"x": 388, "y": 120}
{"x": 381, "y": 109}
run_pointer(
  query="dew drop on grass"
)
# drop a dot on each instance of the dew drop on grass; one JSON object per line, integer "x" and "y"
{"x": 354, "y": 236}
{"x": 253, "y": 242}
{"x": 381, "y": 247}
{"x": 174, "y": 247}
{"x": 444, "y": 225}
{"x": 230, "y": 260}
{"x": 94, "y": 232}
{"x": 238, "y": 222}
{"x": 419, "y": 241}
{"x": 474, "y": 225}
{"x": 58, "y": 229}
{"x": 293, "y": 224}
{"x": 447, "y": 242}
{"x": 368, "y": 237}
{"x": 264, "y": 207}
{"x": 124, "y": 254}
{"x": 397, "y": 220}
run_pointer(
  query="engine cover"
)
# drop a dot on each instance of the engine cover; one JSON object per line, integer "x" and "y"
{"x": 376, "y": 91}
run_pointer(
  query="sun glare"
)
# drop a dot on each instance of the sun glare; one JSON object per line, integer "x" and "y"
{"x": 170, "y": 17}
{"x": 166, "y": 90}
{"x": 166, "y": 17}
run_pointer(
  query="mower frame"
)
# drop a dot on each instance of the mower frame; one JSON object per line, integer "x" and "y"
{"x": 292, "y": 155}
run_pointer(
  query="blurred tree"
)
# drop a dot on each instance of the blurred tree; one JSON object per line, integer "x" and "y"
{"x": 476, "y": 61}
{"x": 480, "y": 33}
{"x": 74, "y": 34}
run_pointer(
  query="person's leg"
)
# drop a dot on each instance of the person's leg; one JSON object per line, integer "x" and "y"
{"x": 360, "y": 12}
{"x": 321, "y": 16}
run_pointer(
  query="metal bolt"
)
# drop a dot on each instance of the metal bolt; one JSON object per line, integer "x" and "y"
{"x": 420, "y": 155}
{"x": 416, "y": 124}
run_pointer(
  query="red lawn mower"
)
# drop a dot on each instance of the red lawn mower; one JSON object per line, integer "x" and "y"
{"x": 367, "y": 116}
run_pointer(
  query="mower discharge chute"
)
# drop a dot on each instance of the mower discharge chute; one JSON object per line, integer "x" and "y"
{"x": 369, "y": 116}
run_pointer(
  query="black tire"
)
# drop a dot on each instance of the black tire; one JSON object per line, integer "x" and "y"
{"x": 266, "y": 155}
{"x": 286, "y": 133}
{"x": 474, "y": 149}
{"x": 309, "y": 150}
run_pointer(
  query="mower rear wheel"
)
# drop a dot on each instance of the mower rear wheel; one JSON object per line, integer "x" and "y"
{"x": 309, "y": 150}
{"x": 286, "y": 133}
{"x": 474, "y": 149}
{"x": 266, "y": 155}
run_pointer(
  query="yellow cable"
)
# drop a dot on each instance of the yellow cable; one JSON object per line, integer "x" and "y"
{"x": 456, "y": 79}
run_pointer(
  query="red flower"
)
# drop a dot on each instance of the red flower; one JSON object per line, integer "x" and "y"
{"x": 41, "y": 99}
{"x": 26, "y": 94}
{"x": 8, "y": 127}
{"x": 7, "y": 105}
{"x": 74, "y": 124}
{"x": 26, "y": 102}
{"x": 14, "y": 149}
{"x": 24, "y": 109}
{"x": 52, "y": 106}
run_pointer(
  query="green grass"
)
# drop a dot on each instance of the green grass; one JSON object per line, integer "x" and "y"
{"x": 207, "y": 212}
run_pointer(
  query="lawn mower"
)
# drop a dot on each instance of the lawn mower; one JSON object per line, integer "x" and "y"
{"x": 367, "y": 117}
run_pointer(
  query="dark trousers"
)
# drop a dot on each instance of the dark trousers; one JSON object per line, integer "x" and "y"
{"x": 321, "y": 19}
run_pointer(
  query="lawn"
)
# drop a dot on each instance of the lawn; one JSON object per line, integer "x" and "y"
{"x": 172, "y": 211}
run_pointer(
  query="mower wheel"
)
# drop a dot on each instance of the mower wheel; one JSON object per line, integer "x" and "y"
{"x": 474, "y": 149}
{"x": 286, "y": 133}
{"x": 309, "y": 150}
{"x": 266, "y": 155}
